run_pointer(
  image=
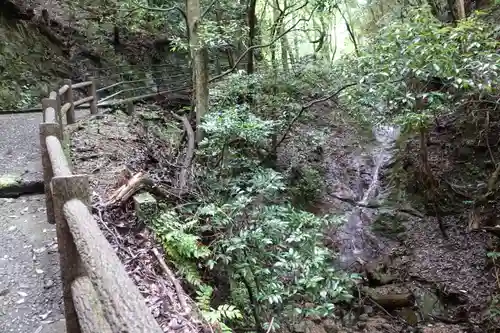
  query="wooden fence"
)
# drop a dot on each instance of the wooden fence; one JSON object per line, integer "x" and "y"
{"x": 99, "y": 296}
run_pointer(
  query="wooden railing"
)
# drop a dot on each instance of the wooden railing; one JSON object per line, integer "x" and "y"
{"x": 99, "y": 296}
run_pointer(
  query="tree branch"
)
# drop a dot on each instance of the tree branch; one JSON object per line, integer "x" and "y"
{"x": 158, "y": 9}
{"x": 205, "y": 12}
{"x": 307, "y": 106}
{"x": 242, "y": 56}
{"x": 283, "y": 13}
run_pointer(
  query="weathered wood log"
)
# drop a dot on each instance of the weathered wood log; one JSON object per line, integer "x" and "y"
{"x": 88, "y": 307}
{"x": 93, "y": 92}
{"x": 122, "y": 303}
{"x": 183, "y": 175}
{"x": 60, "y": 165}
{"x": 65, "y": 188}
{"x": 68, "y": 98}
{"x": 82, "y": 84}
{"x": 46, "y": 130}
{"x": 126, "y": 191}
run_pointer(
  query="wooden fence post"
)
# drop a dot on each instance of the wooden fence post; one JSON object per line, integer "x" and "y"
{"x": 93, "y": 92}
{"x": 59, "y": 116}
{"x": 48, "y": 103}
{"x": 130, "y": 108}
{"x": 65, "y": 188}
{"x": 48, "y": 129}
{"x": 68, "y": 98}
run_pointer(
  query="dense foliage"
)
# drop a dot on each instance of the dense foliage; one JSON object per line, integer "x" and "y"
{"x": 271, "y": 253}
{"x": 248, "y": 229}
{"x": 250, "y": 249}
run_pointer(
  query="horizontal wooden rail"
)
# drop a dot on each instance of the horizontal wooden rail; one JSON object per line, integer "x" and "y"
{"x": 124, "y": 307}
{"x": 135, "y": 81}
{"x": 141, "y": 97}
{"x": 146, "y": 66}
{"x": 60, "y": 166}
{"x": 87, "y": 303}
{"x": 83, "y": 100}
{"x": 63, "y": 89}
{"x": 81, "y": 84}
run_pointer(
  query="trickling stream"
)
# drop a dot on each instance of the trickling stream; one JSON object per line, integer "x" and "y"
{"x": 356, "y": 242}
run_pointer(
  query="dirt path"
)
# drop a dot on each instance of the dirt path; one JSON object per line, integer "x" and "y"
{"x": 30, "y": 296}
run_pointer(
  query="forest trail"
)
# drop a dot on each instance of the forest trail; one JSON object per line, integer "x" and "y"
{"x": 30, "y": 288}
{"x": 30, "y": 295}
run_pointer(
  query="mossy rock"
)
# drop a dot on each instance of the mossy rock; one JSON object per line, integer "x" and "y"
{"x": 12, "y": 186}
{"x": 7, "y": 181}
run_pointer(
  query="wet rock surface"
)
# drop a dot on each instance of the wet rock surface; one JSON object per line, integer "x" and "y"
{"x": 414, "y": 280}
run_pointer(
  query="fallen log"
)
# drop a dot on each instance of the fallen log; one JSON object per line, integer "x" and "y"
{"x": 126, "y": 191}
{"x": 390, "y": 299}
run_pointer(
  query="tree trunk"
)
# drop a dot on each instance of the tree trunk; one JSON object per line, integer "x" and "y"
{"x": 284, "y": 52}
{"x": 350, "y": 31}
{"x": 219, "y": 50}
{"x": 252, "y": 28}
{"x": 334, "y": 51}
{"x": 199, "y": 56}
{"x": 283, "y": 41}
{"x": 460, "y": 8}
{"x": 296, "y": 49}
{"x": 276, "y": 15}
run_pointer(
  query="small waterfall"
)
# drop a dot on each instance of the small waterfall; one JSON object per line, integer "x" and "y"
{"x": 356, "y": 241}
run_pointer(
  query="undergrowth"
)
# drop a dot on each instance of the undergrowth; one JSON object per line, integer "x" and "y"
{"x": 26, "y": 63}
{"x": 248, "y": 227}
{"x": 248, "y": 224}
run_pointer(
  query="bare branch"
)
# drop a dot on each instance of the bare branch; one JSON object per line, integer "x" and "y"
{"x": 283, "y": 13}
{"x": 205, "y": 12}
{"x": 157, "y": 9}
{"x": 242, "y": 56}
{"x": 307, "y": 106}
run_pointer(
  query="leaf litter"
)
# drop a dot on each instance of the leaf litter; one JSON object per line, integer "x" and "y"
{"x": 102, "y": 148}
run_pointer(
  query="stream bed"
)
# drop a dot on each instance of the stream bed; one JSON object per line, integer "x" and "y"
{"x": 415, "y": 281}
{"x": 357, "y": 244}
